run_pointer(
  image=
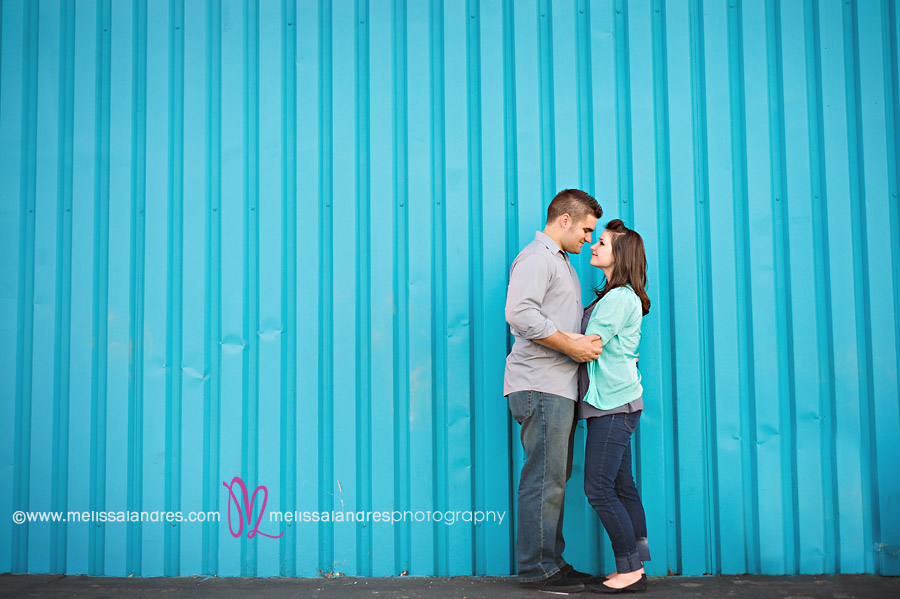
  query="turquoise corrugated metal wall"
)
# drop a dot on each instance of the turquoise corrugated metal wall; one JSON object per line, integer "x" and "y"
{"x": 271, "y": 240}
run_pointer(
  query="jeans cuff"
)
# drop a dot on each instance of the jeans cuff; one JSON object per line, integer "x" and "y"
{"x": 643, "y": 549}
{"x": 543, "y": 576}
{"x": 628, "y": 563}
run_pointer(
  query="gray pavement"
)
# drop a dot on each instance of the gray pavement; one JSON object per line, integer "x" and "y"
{"x": 675, "y": 587}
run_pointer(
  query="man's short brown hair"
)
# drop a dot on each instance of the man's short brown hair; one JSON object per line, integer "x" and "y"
{"x": 574, "y": 202}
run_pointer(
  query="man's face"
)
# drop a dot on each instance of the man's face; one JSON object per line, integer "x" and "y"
{"x": 576, "y": 234}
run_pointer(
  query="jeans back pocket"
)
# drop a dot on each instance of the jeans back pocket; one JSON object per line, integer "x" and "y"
{"x": 521, "y": 405}
{"x": 631, "y": 420}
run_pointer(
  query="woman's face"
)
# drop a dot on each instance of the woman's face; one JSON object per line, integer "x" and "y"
{"x": 601, "y": 252}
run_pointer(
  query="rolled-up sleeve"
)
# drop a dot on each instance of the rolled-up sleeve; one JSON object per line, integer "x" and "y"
{"x": 528, "y": 282}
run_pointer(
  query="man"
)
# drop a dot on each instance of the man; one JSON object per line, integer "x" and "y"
{"x": 543, "y": 303}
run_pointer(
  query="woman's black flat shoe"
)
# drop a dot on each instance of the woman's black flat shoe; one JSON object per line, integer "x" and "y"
{"x": 637, "y": 586}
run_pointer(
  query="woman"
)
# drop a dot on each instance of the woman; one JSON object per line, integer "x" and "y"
{"x": 612, "y": 401}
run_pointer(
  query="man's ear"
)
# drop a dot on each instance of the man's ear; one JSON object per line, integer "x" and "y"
{"x": 564, "y": 220}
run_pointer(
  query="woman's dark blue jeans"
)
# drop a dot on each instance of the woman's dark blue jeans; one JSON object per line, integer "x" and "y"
{"x": 609, "y": 486}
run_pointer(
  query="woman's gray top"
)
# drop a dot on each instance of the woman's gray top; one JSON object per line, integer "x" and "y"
{"x": 586, "y": 410}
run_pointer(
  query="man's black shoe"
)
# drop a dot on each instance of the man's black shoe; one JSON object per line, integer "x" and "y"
{"x": 558, "y": 583}
{"x": 570, "y": 572}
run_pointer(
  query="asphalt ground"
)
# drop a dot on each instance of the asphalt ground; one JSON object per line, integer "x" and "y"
{"x": 674, "y": 587}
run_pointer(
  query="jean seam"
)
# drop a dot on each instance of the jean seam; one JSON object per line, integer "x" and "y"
{"x": 543, "y": 477}
{"x": 543, "y": 472}
{"x": 607, "y": 500}
{"x": 613, "y": 512}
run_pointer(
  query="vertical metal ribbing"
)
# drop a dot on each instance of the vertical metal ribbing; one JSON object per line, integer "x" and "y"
{"x": 476, "y": 272}
{"x": 707, "y": 337}
{"x": 60, "y": 427}
{"x": 584, "y": 88}
{"x": 861, "y": 283}
{"x": 25, "y": 308}
{"x": 174, "y": 291}
{"x": 510, "y": 141}
{"x": 885, "y": 427}
{"x": 212, "y": 287}
{"x": 401, "y": 286}
{"x": 250, "y": 433}
{"x": 25, "y": 342}
{"x": 134, "y": 558}
{"x": 364, "y": 296}
{"x": 4, "y": 64}
{"x": 439, "y": 283}
{"x": 666, "y": 270}
{"x": 326, "y": 290}
{"x": 743, "y": 294}
{"x": 100, "y": 286}
{"x": 623, "y": 114}
{"x": 893, "y": 103}
{"x": 825, "y": 332}
{"x": 585, "y": 91}
{"x": 512, "y": 218}
{"x": 781, "y": 251}
{"x": 548, "y": 134}
{"x": 705, "y": 317}
{"x": 190, "y": 164}
{"x": 841, "y": 184}
{"x": 288, "y": 491}
{"x": 676, "y": 556}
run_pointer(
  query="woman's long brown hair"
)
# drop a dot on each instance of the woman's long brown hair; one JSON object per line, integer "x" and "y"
{"x": 630, "y": 266}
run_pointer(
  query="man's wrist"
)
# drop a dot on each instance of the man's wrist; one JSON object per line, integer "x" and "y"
{"x": 569, "y": 346}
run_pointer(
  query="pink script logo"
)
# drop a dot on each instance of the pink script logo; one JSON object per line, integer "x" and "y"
{"x": 246, "y": 511}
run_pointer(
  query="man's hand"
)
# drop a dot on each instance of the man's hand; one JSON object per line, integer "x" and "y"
{"x": 581, "y": 348}
{"x": 586, "y": 349}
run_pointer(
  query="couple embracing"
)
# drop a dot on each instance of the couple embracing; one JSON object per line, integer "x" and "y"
{"x": 569, "y": 363}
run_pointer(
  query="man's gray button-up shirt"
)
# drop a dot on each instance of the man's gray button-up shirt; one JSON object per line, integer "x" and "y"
{"x": 544, "y": 296}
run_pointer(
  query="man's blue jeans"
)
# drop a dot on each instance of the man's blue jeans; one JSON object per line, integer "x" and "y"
{"x": 609, "y": 486}
{"x": 548, "y": 432}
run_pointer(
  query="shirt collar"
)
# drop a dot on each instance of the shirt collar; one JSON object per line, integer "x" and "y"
{"x": 547, "y": 241}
